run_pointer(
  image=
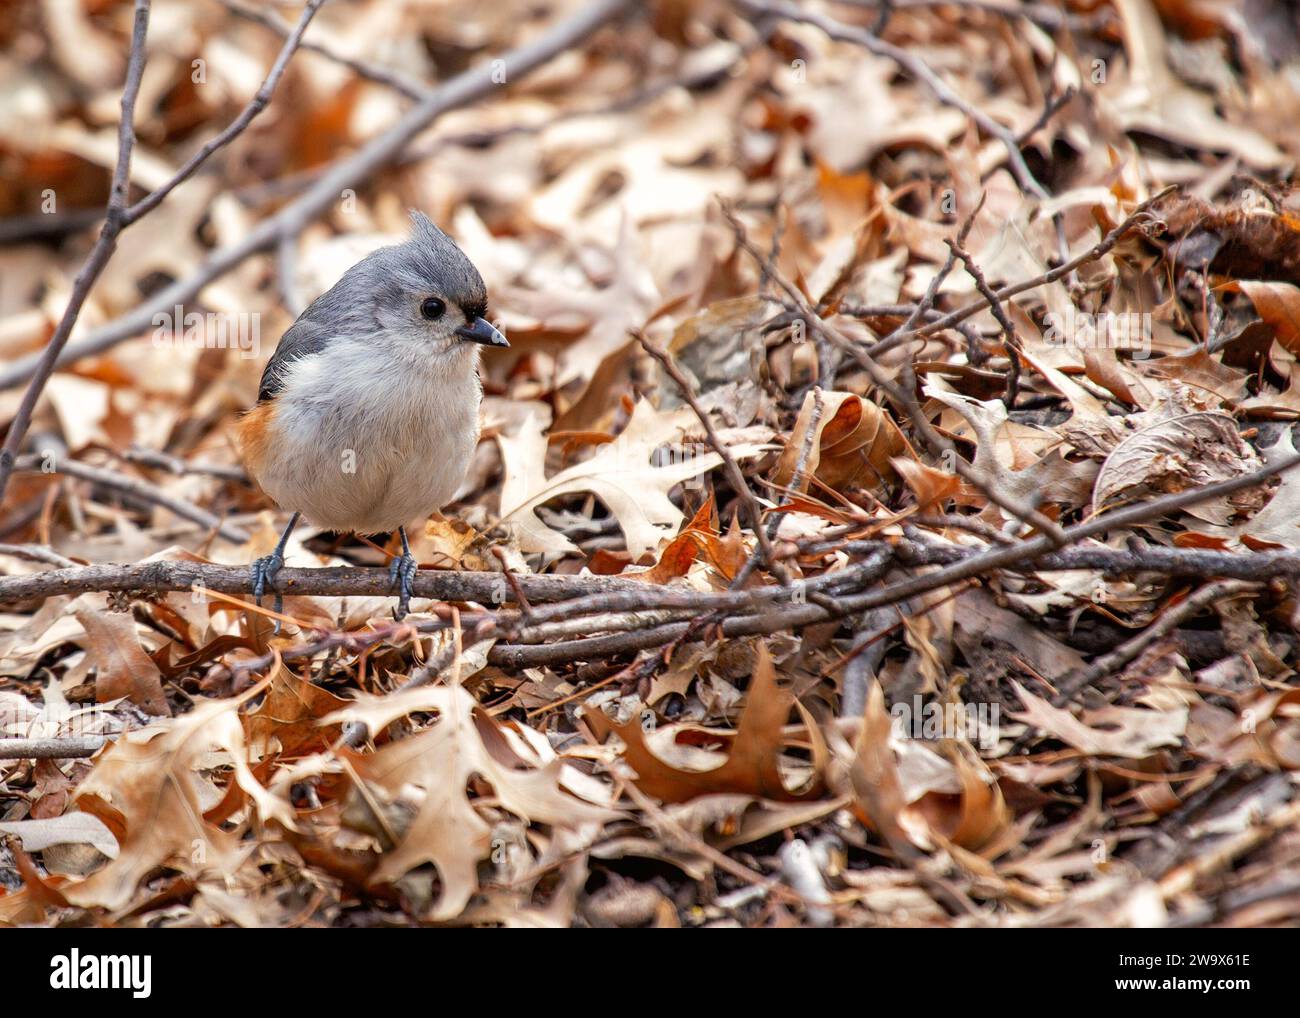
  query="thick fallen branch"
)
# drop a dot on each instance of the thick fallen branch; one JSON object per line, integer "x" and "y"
{"x": 558, "y": 599}
{"x": 600, "y": 593}
{"x": 341, "y": 581}
{"x": 380, "y": 75}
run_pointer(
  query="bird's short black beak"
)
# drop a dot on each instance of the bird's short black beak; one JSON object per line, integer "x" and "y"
{"x": 480, "y": 330}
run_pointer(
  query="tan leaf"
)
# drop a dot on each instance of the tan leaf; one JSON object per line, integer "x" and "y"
{"x": 1158, "y": 103}
{"x": 123, "y": 669}
{"x": 932, "y": 487}
{"x": 287, "y": 721}
{"x": 1183, "y": 452}
{"x": 1129, "y": 732}
{"x": 440, "y": 762}
{"x": 622, "y": 473}
{"x": 1278, "y": 305}
{"x": 852, "y": 444}
{"x": 148, "y": 787}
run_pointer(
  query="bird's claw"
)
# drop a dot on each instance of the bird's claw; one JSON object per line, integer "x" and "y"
{"x": 401, "y": 571}
{"x": 265, "y": 570}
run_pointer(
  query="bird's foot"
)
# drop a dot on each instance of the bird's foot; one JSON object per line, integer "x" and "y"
{"x": 265, "y": 570}
{"x": 401, "y": 572}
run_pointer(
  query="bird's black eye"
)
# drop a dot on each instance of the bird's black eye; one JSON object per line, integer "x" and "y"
{"x": 433, "y": 308}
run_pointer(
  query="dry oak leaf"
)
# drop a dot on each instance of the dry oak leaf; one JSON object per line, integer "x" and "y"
{"x": 1200, "y": 381}
{"x": 988, "y": 420}
{"x": 462, "y": 745}
{"x": 287, "y": 722}
{"x": 147, "y": 788}
{"x": 1263, "y": 730}
{"x": 622, "y": 473}
{"x": 752, "y": 765}
{"x": 122, "y": 668}
{"x": 1129, "y": 732}
{"x": 1276, "y": 525}
{"x": 853, "y": 444}
{"x": 873, "y": 776}
{"x": 931, "y": 486}
{"x": 604, "y": 315}
{"x": 972, "y": 817}
{"x": 1156, "y": 101}
{"x": 698, "y": 541}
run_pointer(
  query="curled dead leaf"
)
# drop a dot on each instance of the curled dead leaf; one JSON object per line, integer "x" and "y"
{"x": 852, "y": 444}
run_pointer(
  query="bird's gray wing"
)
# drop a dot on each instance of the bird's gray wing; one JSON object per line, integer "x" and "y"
{"x": 302, "y": 339}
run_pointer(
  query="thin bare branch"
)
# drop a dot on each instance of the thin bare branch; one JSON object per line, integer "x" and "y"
{"x": 115, "y": 221}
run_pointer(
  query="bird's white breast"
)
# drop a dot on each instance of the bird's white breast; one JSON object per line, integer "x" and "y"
{"x": 367, "y": 440}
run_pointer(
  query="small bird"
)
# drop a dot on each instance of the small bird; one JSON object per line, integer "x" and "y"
{"x": 367, "y": 415}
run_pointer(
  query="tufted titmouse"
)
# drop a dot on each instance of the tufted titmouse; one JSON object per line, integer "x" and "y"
{"x": 367, "y": 414}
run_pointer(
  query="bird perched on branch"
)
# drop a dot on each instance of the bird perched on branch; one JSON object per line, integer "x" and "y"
{"x": 367, "y": 415}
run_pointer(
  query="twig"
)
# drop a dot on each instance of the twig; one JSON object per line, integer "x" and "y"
{"x": 1098, "y": 250}
{"x": 797, "y": 479}
{"x": 931, "y": 295}
{"x": 918, "y": 69}
{"x": 647, "y": 93}
{"x": 864, "y": 658}
{"x": 521, "y": 598}
{"x": 160, "y": 460}
{"x": 1010, "y": 340}
{"x": 51, "y": 749}
{"x": 734, "y": 474}
{"x": 140, "y": 489}
{"x": 337, "y": 581}
{"x": 37, "y": 553}
{"x": 1053, "y": 106}
{"x": 380, "y": 75}
{"x": 904, "y": 400}
{"x": 1257, "y": 565}
{"x": 119, "y": 217}
{"x": 556, "y": 598}
{"x": 1163, "y": 626}
{"x": 1045, "y": 15}
{"x": 259, "y": 102}
{"x": 674, "y": 833}
{"x": 641, "y": 672}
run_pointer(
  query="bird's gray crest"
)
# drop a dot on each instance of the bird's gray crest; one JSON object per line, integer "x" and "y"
{"x": 440, "y": 263}
{"x": 428, "y": 232}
